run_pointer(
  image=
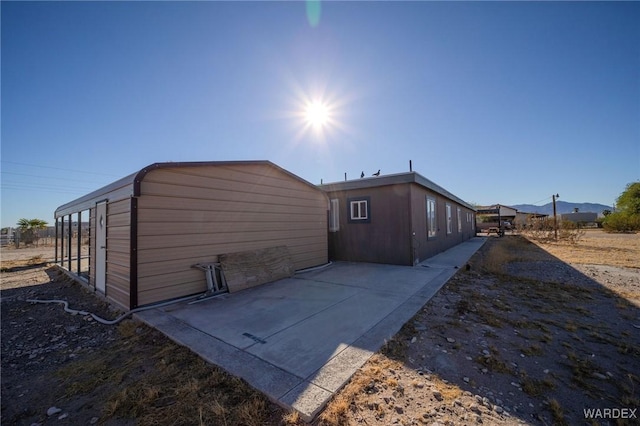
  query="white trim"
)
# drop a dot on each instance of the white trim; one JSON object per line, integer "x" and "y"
{"x": 361, "y": 211}
{"x": 432, "y": 223}
{"x": 334, "y": 215}
{"x": 449, "y": 219}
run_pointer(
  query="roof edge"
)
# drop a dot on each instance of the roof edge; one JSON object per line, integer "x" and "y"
{"x": 135, "y": 179}
{"x": 393, "y": 179}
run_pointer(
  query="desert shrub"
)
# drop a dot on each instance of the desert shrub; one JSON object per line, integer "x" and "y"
{"x": 621, "y": 222}
{"x": 544, "y": 230}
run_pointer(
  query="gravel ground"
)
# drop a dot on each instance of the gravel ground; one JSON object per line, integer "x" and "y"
{"x": 532, "y": 340}
{"x": 538, "y": 342}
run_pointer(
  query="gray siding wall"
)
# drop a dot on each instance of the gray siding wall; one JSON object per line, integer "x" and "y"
{"x": 427, "y": 247}
{"x": 397, "y": 230}
{"x": 188, "y": 215}
{"x": 385, "y": 238}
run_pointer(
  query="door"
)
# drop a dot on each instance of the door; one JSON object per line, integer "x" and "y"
{"x": 101, "y": 246}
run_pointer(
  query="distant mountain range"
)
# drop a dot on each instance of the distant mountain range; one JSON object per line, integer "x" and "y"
{"x": 562, "y": 207}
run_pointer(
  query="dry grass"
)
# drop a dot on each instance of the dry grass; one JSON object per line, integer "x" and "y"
{"x": 151, "y": 379}
{"x": 598, "y": 248}
{"x": 16, "y": 264}
{"x": 556, "y": 412}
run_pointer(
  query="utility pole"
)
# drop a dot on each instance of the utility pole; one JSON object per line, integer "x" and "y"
{"x": 555, "y": 218}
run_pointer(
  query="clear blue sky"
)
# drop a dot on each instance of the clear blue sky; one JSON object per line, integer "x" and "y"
{"x": 503, "y": 102}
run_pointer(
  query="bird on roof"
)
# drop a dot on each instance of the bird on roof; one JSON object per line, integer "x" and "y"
{"x": 376, "y": 173}
{"x": 361, "y": 175}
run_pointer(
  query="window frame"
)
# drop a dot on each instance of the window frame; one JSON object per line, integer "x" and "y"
{"x": 334, "y": 215}
{"x": 449, "y": 218}
{"x": 432, "y": 217}
{"x": 459, "y": 212}
{"x": 367, "y": 209}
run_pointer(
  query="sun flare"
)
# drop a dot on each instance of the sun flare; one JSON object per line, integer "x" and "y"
{"x": 317, "y": 114}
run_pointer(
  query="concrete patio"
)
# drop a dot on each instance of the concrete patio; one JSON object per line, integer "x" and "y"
{"x": 299, "y": 340}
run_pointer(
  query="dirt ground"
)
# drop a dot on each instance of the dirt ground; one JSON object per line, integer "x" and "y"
{"x": 527, "y": 334}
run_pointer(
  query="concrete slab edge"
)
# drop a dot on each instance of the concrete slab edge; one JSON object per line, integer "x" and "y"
{"x": 261, "y": 375}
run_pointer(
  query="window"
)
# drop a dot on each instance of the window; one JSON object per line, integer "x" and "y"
{"x": 334, "y": 215}
{"x": 359, "y": 210}
{"x": 449, "y": 219}
{"x": 459, "y": 219}
{"x": 431, "y": 217}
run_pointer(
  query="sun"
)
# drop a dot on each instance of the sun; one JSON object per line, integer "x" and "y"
{"x": 317, "y": 114}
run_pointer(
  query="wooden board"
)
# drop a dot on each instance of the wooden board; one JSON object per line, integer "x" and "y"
{"x": 256, "y": 267}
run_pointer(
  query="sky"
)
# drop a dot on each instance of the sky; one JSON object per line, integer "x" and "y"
{"x": 498, "y": 102}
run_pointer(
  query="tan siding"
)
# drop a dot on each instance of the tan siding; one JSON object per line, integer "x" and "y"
{"x": 231, "y": 175}
{"x": 279, "y": 187}
{"x": 119, "y": 295}
{"x": 191, "y": 215}
{"x": 171, "y": 292}
{"x": 217, "y": 226}
{"x": 166, "y": 280}
{"x": 192, "y": 204}
{"x": 181, "y": 192}
{"x": 191, "y": 252}
{"x": 231, "y": 237}
{"x": 118, "y": 207}
{"x": 118, "y": 251}
{"x": 120, "y": 219}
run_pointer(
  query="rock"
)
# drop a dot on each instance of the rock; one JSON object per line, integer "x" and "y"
{"x": 399, "y": 409}
{"x": 438, "y": 395}
{"x": 458, "y": 402}
{"x": 53, "y": 410}
{"x": 545, "y": 371}
{"x": 414, "y": 339}
{"x": 486, "y": 352}
{"x": 475, "y": 408}
{"x": 498, "y": 409}
{"x": 484, "y": 370}
{"x": 599, "y": 376}
{"x": 93, "y": 420}
{"x": 451, "y": 340}
{"x": 479, "y": 399}
{"x": 466, "y": 379}
{"x": 63, "y": 416}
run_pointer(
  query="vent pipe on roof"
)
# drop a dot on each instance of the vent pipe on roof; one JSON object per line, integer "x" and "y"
{"x": 345, "y": 176}
{"x": 410, "y": 166}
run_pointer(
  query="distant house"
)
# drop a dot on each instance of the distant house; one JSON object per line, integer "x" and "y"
{"x": 581, "y": 218}
{"x": 398, "y": 219}
{"x": 496, "y": 215}
{"x": 524, "y": 218}
{"x": 148, "y": 229}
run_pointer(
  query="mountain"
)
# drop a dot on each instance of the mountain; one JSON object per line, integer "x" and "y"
{"x": 562, "y": 207}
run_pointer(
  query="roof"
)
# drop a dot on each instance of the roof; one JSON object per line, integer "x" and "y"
{"x": 393, "y": 179}
{"x": 495, "y": 207}
{"x": 129, "y": 186}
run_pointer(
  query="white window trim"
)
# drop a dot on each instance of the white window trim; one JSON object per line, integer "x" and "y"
{"x": 459, "y": 211}
{"x": 334, "y": 215}
{"x": 449, "y": 218}
{"x": 432, "y": 221}
{"x": 363, "y": 209}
